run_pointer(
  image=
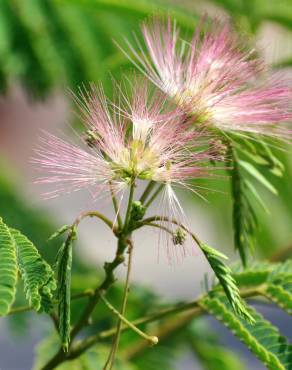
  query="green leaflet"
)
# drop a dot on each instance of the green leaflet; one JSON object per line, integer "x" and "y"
{"x": 224, "y": 275}
{"x": 256, "y": 195}
{"x": 262, "y": 338}
{"x": 8, "y": 269}
{"x": 36, "y": 273}
{"x": 63, "y": 269}
{"x": 260, "y": 153}
{"x": 253, "y": 171}
{"x": 59, "y": 232}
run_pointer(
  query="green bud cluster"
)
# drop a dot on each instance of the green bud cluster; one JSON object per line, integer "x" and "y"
{"x": 138, "y": 211}
{"x": 179, "y": 237}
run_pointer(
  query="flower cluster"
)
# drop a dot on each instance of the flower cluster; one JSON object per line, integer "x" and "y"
{"x": 171, "y": 135}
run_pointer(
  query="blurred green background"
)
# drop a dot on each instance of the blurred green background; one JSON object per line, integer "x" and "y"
{"x": 50, "y": 47}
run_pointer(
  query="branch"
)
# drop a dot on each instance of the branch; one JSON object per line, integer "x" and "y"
{"x": 190, "y": 310}
{"x": 109, "y": 279}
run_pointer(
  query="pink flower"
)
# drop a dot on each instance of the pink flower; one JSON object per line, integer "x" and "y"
{"x": 139, "y": 138}
{"x": 136, "y": 139}
{"x": 215, "y": 78}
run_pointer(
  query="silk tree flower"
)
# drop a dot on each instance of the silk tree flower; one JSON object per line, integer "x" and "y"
{"x": 137, "y": 139}
{"x": 215, "y": 78}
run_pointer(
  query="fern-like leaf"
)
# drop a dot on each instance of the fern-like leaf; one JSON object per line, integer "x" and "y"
{"x": 63, "y": 268}
{"x": 262, "y": 338}
{"x": 244, "y": 221}
{"x": 279, "y": 286}
{"x": 278, "y": 294}
{"x": 274, "y": 281}
{"x": 224, "y": 275}
{"x": 8, "y": 269}
{"x": 244, "y": 194}
{"x": 36, "y": 273}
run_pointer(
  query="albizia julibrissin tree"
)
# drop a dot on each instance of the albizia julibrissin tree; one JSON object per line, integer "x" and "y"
{"x": 214, "y": 107}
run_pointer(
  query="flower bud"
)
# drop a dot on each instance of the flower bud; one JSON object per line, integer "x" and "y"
{"x": 90, "y": 138}
{"x": 179, "y": 237}
{"x": 138, "y": 211}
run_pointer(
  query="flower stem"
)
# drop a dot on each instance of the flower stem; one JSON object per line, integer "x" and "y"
{"x": 147, "y": 191}
{"x": 115, "y": 345}
{"x": 116, "y": 206}
{"x": 97, "y": 215}
{"x": 158, "y": 190}
{"x": 129, "y": 208}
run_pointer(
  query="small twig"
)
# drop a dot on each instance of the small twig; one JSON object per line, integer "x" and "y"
{"x": 149, "y": 221}
{"x": 97, "y": 215}
{"x": 150, "y": 339}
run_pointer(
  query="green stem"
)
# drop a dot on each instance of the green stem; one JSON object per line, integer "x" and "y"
{"x": 149, "y": 221}
{"x": 124, "y": 304}
{"x": 97, "y": 215}
{"x": 158, "y": 190}
{"x": 109, "y": 279}
{"x": 116, "y": 206}
{"x": 147, "y": 191}
{"x": 129, "y": 208}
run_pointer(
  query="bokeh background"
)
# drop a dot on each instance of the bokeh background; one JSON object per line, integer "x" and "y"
{"x": 49, "y": 47}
